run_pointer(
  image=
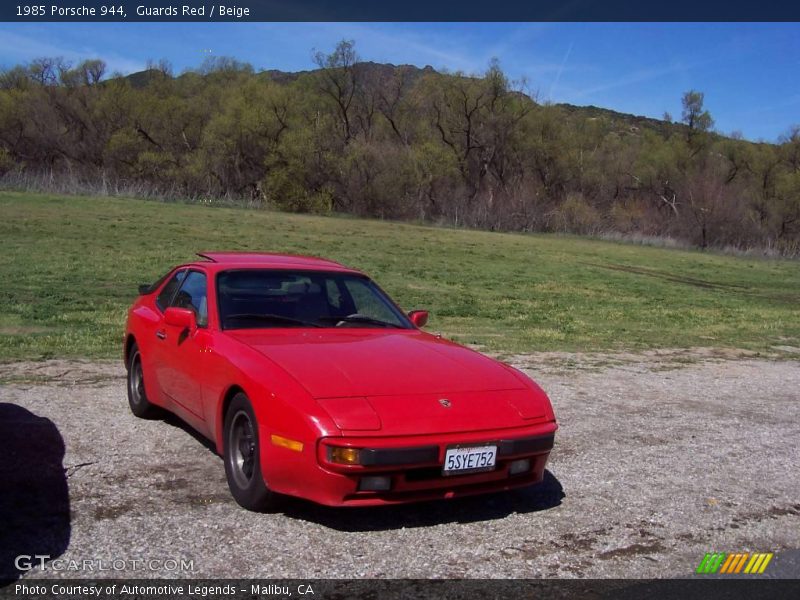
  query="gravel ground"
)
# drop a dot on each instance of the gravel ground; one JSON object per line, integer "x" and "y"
{"x": 661, "y": 457}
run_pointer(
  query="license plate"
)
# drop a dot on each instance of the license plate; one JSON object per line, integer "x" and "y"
{"x": 469, "y": 459}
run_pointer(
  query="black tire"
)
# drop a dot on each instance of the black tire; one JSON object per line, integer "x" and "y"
{"x": 137, "y": 398}
{"x": 243, "y": 458}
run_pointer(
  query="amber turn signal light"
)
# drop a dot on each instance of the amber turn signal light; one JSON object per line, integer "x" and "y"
{"x": 287, "y": 443}
{"x": 344, "y": 456}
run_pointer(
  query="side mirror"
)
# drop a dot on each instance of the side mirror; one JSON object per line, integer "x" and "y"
{"x": 418, "y": 317}
{"x": 145, "y": 288}
{"x": 180, "y": 317}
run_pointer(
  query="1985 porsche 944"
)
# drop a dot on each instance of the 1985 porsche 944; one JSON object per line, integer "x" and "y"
{"x": 313, "y": 383}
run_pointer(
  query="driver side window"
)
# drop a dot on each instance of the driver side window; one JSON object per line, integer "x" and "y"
{"x": 192, "y": 295}
{"x": 168, "y": 291}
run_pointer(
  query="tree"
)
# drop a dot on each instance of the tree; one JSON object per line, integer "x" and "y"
{"x": 399, "y": 142}
{"x": 45, "y": 70}
{"x": 787, "y": 205}
{"x": 339, "y": 82}
{"x": 696, "y": 118}
{"x": 790, "y": 147}
{"x": 87, "y": 73}
{"x": 161, "y": 66}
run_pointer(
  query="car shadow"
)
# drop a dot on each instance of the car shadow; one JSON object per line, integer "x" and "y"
{"x": 34, "y": 503}
{"x": 542, "y": 496}
{"x": 485, "y": 507}
{"x": 175, "y": 421}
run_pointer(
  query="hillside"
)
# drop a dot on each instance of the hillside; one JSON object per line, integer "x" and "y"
{"x": 75, "y": 264}
{"x": 372, "y": 71}
{"x": 396, "y": 142}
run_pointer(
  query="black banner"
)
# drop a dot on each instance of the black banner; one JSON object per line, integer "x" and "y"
{"x": 405, "y": 10}
{"x": 410, "y": 589}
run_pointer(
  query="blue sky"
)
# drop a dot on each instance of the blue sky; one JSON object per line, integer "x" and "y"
{"x": 750, "y": 73}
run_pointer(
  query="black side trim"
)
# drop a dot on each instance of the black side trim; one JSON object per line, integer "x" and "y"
{"x": 401, "y": 456}
{"x": 530, "y": 445}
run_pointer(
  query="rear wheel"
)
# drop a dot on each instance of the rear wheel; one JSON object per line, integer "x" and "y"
{"x": 243, "y": 457}
{"x": 137, "y": 397}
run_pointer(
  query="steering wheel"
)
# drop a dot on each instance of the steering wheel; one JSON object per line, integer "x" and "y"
{"x": 344, "y": 322}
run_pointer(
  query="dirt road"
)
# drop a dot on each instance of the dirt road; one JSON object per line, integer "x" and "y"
{"x": 660, "y": 459}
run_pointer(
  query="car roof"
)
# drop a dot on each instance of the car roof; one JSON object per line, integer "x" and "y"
{"x": 271, "y": 260}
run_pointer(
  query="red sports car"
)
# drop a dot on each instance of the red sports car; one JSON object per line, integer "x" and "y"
{"x": 312, "y": 382}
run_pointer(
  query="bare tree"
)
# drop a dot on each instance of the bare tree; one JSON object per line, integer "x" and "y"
{"x": 339, "y": 82}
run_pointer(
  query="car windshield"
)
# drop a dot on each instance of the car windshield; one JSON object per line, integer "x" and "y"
{"x": 250, "y": 298}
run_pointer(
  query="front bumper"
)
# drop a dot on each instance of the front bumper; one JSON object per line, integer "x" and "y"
{"x": 414, "y": 465}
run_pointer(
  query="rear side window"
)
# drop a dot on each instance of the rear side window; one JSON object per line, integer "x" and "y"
{"x": 165, "y": 297}
{"x": 192, "y": 295}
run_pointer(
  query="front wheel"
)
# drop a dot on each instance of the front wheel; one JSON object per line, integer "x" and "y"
{"x": 243, "y": 458}
{"x": 137, "y": 398}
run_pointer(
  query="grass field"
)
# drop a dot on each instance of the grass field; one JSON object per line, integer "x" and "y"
{"x": 71, "y": 265}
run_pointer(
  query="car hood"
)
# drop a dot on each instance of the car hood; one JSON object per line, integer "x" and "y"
{"x": 356, "y": 362}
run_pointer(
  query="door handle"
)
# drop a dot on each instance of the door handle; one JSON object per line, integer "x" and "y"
{"x": 161, "y": 334}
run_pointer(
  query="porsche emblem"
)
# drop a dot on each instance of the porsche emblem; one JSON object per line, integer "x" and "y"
{"x": 444, "y": 402}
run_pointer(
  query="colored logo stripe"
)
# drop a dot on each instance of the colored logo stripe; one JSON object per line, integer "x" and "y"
{"x": 758, "y": 563}
{"x": 723, "y": 562}
{"x": 728, "y": 565}
{"x": 734, "y": 563}
{"x": 711, "y": 562}
{"x": 741, "y": 563}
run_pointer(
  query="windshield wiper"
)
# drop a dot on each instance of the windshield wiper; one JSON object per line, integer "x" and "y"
{"x": 356, "y": 318}
{"x": 270, "y": 317}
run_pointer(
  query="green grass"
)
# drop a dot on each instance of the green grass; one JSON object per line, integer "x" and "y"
{"x": 70, "y": 266}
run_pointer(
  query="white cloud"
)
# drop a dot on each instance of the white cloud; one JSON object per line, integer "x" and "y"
{"x": 563, "y": 64}
{"x": 22, "y": 48}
